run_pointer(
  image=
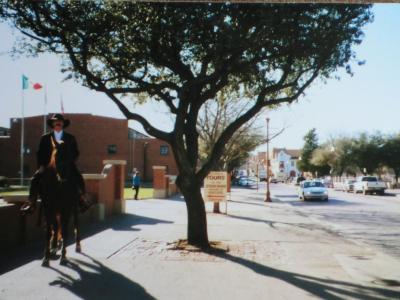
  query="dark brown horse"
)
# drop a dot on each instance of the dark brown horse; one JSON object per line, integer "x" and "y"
{"x": 59, "y": 202}
{"x": 56, "y": 239}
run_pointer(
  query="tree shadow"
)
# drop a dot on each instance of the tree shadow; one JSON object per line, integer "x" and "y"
{"x": 320, "y": 287}
{"x": 275, "y": 224}
{"x": 248, "y": 202}
{"x": 96, "y": 281}
{"x": 295, "y": 201}
{"x": 18, "y": 256}
{"x": 269, "y": 223}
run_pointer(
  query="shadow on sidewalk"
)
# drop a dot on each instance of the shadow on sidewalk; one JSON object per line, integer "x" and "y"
{"x": 259, "y": 203}
{"x": 16, "y": 257}
{"x": 269, "y": 223}
{"x": 96, "y": 281}
{"x": 297, "y": 202}
{"x": 276, "y": 224}
{"x": 320, "y": 287}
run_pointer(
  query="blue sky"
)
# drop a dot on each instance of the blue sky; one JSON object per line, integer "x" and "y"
{"x": 368, "y": 101}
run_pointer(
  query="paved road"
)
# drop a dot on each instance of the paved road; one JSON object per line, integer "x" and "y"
{"x": 370, "y": 219}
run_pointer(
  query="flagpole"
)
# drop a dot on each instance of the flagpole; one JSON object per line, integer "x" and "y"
{"x": 22, "y": 137}
{"x": 45, "y": 109}
{"x": 62, "y": 103}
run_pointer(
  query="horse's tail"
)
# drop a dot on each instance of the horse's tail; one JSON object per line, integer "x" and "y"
{"x": 40, "y": 213}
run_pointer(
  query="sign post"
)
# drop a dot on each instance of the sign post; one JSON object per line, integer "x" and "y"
{"x": 215, "y": 187}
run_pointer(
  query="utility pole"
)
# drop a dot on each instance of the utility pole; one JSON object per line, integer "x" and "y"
{"x": 268, "y": 195}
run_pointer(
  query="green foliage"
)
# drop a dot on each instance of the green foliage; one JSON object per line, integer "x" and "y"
{"x": 368, "y": 152}
{"x": 310, "y": 145}
{"x": 364, "y": 153}
{"x": 183, "y": 55}
{"x": 391, "y": 154}
{"x": 338, "y": 155}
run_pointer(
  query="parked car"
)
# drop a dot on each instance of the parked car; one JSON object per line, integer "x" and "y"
{"x": 313, "y": 189}
{"x": 273, "y": 180}
{"x": 348, "y": 185}
{"x": 262, "y": 175}
{"x": 369, "y": 185}
{"x": 4, "y": 182}
{"x": 247, "y": 181}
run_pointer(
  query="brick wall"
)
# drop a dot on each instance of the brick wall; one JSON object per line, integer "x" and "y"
{"x": 94, "y": 134}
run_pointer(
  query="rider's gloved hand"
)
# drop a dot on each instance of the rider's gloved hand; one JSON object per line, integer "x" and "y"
{"x": 28, "y": 208}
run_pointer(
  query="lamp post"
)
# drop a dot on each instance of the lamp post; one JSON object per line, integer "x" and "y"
{"x": 268, "y": 195}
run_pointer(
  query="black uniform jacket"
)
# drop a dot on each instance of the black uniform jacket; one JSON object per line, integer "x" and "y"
{"x": 67, "y": 153}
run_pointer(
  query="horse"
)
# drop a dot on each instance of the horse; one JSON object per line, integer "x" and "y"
{"x": 59, "y": 202}
{"x": 56, "y": 239}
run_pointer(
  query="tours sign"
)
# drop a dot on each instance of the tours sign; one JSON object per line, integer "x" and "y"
{"x": 215, "y": 186}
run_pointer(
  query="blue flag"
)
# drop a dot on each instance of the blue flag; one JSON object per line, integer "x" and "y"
{"x": 25, "y": 82}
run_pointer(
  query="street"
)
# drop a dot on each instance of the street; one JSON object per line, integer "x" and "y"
{"x": 370, "y": 219}
{"x": 281, "y": 250}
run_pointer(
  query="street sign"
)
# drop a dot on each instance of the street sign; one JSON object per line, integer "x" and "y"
{"x": 215, "y": 186}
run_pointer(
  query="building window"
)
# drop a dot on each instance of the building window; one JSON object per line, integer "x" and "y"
{"x": 112, "y": 149}
{"x": 292, "y": 163}
{"x": 164, "y": 150}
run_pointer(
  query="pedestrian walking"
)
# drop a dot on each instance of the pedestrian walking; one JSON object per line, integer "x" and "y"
{"x": 136, "y": 184}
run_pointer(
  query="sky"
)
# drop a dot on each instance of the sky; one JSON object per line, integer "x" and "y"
{"x": 368, "y": 101}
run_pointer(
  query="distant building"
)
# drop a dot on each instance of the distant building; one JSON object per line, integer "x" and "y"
{"x": 98, "y": 137}
{"x": 4, "y": 131}
{"x": 284, "y": 162}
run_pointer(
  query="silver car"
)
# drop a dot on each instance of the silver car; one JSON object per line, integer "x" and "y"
{"x": 313, "y": 189}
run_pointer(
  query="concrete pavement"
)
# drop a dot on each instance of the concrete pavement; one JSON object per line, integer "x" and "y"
{"x": 274, "y": 251}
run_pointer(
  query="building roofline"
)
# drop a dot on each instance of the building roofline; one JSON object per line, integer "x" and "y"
{"x": 70, "y": 114}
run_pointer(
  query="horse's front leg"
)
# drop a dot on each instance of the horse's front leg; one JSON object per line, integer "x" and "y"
{"x": 54, "y": 239}
{"x": 46, "y": 258}
{"x": 78, "y": 248}
{"x": 64, "y": 234}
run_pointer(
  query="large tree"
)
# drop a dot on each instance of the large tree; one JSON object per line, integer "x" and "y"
{"x": 183, "y": 55}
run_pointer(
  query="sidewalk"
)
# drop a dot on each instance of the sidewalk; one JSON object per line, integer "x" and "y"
{"x": 273, "y": 253}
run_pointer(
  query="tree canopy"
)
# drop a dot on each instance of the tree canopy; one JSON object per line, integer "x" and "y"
{"x": 183, "y": 55}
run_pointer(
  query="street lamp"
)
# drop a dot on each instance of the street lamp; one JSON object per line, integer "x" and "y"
{"x": 268, "y": 195}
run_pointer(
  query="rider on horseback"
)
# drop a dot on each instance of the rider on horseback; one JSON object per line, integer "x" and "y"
{"x": 57, "y": 149}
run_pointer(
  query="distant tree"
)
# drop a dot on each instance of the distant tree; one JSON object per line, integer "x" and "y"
{"x": 391, "y": 155}
{"x": 183, "y": 55}
{"x": 213, "y": 120}
{"x": 338, "y": 155}
{"x": 368, "y": 152}
{"x": 310, "y": 145}
{"x": 344, "y": 162}
{"x": 323, "y": 160}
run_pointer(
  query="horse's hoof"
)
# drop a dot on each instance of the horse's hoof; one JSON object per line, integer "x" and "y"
{"x": 63, "y": 261}
{"x": 78, "y": 249}
{"x": 45, "y": 262}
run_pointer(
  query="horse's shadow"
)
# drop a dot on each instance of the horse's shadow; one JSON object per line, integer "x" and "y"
{"x": 96, "y": 281}
{"x": 14, "y": 258}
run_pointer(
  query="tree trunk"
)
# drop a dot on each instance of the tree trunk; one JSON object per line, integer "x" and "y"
{"x": 197, "y": 220}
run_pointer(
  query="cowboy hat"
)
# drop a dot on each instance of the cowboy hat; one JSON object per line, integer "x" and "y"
{"x": 58, "y": 117}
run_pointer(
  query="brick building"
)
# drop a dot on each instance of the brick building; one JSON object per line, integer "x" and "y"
{"x": 98, "y": 138}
